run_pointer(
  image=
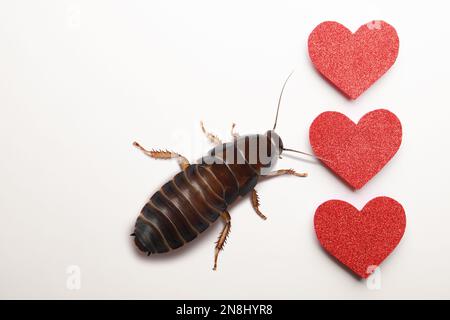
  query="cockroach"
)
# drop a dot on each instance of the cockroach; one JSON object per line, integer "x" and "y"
{"x": 200, "y": 193}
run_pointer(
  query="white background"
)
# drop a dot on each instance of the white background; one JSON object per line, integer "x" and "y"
{"x": 79, "y": 81}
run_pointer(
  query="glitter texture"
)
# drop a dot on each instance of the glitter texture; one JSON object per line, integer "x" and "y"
{"x": 361, "y": 240}
{"x": 356, "y": 152}
{"x": 353, "y": 61}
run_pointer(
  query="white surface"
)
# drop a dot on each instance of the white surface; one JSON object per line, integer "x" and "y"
{"x": 79, "y": 81}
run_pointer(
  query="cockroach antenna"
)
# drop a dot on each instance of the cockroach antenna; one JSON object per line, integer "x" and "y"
{"x": 276, "y": 120}
{"x": 279, "y": 99}
{"x": 305, "y": 153}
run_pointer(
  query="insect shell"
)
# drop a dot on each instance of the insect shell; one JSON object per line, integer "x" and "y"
{"x": 200, "y": 193}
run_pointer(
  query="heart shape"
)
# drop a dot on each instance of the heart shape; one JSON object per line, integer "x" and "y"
{"x": 356, "y": 152}
{"x": 361, "y": 240}
{"x": 353, "y": 61}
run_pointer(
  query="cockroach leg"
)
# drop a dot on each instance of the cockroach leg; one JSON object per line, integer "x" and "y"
{"x": 234, "y": 134}
{"x": 164, "y": 154}
{"x": 255, "y": 204}
{"x": 223, "y": 236}
{"x": 291, "y": 172}
{"x": 211, "y": 137}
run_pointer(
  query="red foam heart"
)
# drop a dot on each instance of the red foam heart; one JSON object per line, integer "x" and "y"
{"x": 361, "y": 240}
{"x": 356, "y": 152}
{"x": 353, "y": 61}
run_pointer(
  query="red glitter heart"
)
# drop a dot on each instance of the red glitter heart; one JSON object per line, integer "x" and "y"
{"x": 353, "y": 61}
{"x": 356, "y": 152}
{"x": 361, "y": 240}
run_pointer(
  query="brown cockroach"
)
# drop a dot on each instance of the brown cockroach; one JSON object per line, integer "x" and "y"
{"x": 200, "y": 193}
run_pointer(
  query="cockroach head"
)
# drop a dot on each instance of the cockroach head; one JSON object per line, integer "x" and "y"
{"x": 275, "y": 140}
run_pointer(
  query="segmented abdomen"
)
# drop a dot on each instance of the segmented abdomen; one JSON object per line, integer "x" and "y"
{"x": 183, "y": 208}
{"x": 189, "y": 203}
